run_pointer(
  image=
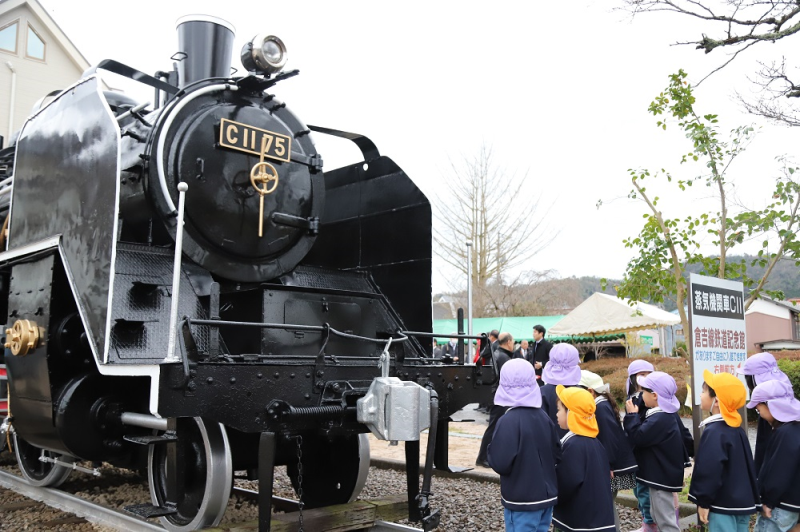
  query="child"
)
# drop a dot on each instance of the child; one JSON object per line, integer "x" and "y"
{"x": 724, "y": 484}
{"x": 563, "y": 368}
{"x": 758, "y": 369}
{"x": 658, "y": 447}
{"x": 524, "y": 451}
{"x": 620, "y": 455}
{"x": 777, "y": 480}
{"x": 584, "y": 487}
{"x": 636, "y": 370}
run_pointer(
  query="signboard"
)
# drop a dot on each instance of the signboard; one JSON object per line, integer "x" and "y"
{"x": 716, "y": 310}
{"x": 647, "y": 340}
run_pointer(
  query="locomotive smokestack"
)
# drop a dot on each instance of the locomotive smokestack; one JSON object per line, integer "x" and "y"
{"x": 206, "y": 45}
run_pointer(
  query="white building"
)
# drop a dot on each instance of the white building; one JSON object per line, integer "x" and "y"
{"x": 37, "y": 59}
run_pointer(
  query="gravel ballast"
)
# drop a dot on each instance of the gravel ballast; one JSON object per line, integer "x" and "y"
{"x": 466, "y": 505}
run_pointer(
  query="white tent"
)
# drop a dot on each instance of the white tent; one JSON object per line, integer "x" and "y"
{"x": 603, "y": 314}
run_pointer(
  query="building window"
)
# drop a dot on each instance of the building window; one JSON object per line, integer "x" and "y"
{"x": 796, "y": 326}
{"x": 8, "y": 37}
{"x": 35, "y": 49}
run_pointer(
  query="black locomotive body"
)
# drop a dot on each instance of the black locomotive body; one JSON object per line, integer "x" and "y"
{"x": 293, "y": 282}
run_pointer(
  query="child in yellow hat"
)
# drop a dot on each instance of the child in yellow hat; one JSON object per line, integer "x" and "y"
{"x": 724, "y": 483}
{"x": 584, "y": 479}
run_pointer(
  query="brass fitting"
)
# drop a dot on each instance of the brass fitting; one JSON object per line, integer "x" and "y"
{"x": 23, "y": 337}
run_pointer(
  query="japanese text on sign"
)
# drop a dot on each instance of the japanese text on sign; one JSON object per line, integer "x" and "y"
{"x": 718, "y": 338}
{"x": 717, "y": 302}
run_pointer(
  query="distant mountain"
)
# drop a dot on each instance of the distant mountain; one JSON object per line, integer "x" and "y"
{"x": 785, "y": 275}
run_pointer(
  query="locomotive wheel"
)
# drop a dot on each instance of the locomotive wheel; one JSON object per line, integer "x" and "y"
{"x": 36, "y": 472}
{"x": 333, "y": 473}
{"x": 208, "y": 475}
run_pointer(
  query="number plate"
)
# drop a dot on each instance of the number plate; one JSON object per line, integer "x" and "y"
{"x": 249, "y": 139}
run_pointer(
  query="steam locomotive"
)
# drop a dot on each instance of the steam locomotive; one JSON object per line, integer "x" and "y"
{"x": 187, "y": 291}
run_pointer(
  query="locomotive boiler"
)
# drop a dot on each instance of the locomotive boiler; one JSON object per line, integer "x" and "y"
{"x": 187, "y": 291}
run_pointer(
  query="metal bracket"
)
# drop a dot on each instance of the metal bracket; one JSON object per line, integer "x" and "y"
{"x": 367, "y": 147}
{"x": 319, "y": 365}
{"x": 310, "y": 224}
{"x": 71, "y": 465}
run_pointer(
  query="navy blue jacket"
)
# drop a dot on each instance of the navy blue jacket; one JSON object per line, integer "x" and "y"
{"x": 688, "y": 441}
{"x": 584, "y": 486}
{"x": 763, "y": 434}
{"x": 658, "y": 447}
{"x": 618, "y": 448}
{"x": 777, "y": 481}
{"x": 524, "y": 452}
{"x": 724, "y": 478}
{"x": 550, "y": 405}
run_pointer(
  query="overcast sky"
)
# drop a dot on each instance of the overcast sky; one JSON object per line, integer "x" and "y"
{"x": 559, "y": 90}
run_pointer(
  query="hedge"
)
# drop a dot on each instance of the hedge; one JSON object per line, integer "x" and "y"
{"x": 792, "y": 370}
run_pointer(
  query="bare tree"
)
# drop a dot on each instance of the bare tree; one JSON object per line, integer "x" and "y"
{"x": 486, "y": 205}
{"x": 527, "y": 294}
{"x": 739, "y": 25}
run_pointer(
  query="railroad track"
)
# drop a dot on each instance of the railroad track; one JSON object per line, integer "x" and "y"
{"x": 123, "y": 521}
{"x": 67, "y": 502}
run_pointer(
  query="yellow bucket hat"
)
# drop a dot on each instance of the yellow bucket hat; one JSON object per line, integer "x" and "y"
{"x": 580, "y": 403}
{"x": 731, "y": 395}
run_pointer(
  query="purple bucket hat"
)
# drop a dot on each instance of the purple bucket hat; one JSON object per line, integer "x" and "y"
{"x": 780, "y": 398}
{"x": 518, "y": 385}
{"x": 763, "y": 367}
{"x": 564, "y": 366}
{"x": 637, "y": 366}
{"x": 664, "y": 385}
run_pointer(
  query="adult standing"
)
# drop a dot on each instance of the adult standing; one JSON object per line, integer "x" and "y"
{"x": 486, "y": 360}
{"x": 437, "y": 351}
{"x": 450, "y": 350}
{"x": 504, "y": 353}
{"x": 489, "y": 348}
{"x": 522, "y": 351}
{"x": 539, "y": 352}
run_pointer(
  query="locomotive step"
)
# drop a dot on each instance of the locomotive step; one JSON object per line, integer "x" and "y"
{"x": 152, "y": 440}
{"x": 147, "y": 511}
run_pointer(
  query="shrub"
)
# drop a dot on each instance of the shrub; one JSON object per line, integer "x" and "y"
{"x": 792, "y": 369}
{"x": 680, "y": 350}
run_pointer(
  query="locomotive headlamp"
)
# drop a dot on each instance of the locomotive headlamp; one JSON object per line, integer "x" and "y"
{"x": 265, "y": 54}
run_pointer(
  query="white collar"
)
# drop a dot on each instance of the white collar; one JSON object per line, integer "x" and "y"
{"x": 652, "y": 411}
{"x": 711, "y": 419}
{"x": 567, "y": 436}
{"x": 599, "y": 399}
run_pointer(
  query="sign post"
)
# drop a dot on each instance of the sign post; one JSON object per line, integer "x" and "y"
{"x": 717, "y": 334}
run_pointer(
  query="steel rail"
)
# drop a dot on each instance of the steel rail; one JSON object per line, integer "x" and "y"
{"x": 70, "y": 503}
{"x": 118, "y": 520}
{"x": 385, "y": 526}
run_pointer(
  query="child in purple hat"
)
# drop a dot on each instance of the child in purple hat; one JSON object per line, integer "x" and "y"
{"x": 777, "y": 480}
{"x": 758, "y": 369}
{"x": 524, "y": 448}
{"x": 636, "y": 370}
{"x": 563, "y": 368}
{"x": 658, "y": 447}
